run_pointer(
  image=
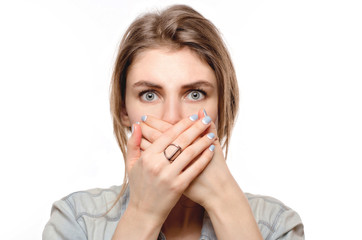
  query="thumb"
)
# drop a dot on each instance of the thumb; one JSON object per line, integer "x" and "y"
{"x": 133, "y": 146}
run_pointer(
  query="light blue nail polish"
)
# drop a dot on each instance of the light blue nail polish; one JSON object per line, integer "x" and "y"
{"x": 205, "y": 114}
{"x": 144, "y": 118}
{"x": 210, "y": 135}
{"x": 212, "y": 148}
{"x": 206, "y": 120}
{"x": 194, "y": 117}
{"x": 137, "y": 123}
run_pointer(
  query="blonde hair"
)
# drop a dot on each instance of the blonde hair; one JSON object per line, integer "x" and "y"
{"x": 176, "y": 27}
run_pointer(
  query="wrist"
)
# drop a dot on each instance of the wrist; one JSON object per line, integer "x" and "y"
{"x": 231, "y": 215}
{"x": 145, "y": 217}
{"x": 230, "y": 195}
{"x": 137, "y": 224}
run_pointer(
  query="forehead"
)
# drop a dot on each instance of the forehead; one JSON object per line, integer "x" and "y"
{"x": 169, "y": 67}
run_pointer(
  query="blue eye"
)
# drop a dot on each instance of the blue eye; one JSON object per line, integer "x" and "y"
{"x": 195, "y": 95}
{"x": 149, "y": 96}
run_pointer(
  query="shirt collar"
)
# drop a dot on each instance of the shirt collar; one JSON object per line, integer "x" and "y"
{"x": 207, "y": 230}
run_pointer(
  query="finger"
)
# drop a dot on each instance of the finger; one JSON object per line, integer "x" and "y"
{"x": 213, "y": 129}
{"x": 192, "y": 133}
{"x": 191, "y": 172}
{"x": 191, "y": 152}
{"x": 156, "y": 123}
{"x": 150, "y": 133}
{"x": 133, "y": 146}
{"x": 145, "y": 144}
{"x": 202, "y": 113}
{"x": 171, "y": 134}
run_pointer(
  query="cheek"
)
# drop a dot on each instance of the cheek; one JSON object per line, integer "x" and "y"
{"x": 133, "y": 113}
{"x": 212, "y": 110}
{"x": 136, "y": 110}
{"x": 190, "y": 109}
{"x": 213, "y": 115}
{"x": 135, "y": 118}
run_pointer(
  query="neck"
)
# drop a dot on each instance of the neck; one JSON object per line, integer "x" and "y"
{"x": 186, "y": 216}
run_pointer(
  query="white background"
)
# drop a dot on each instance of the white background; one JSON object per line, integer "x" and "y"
{"x": 298, "y": 136}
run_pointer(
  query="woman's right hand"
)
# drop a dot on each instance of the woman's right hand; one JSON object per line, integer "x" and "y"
{"x": 155, "y": 184}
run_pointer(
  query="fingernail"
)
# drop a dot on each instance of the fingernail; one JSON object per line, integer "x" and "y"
{"x": 210, "y": 135}
{"x": 137, "y": 123}
{"x": 132, "y": 128}
{"x": 144, "y": 118}
{"x": 212, "y": 148}
{"x": 205, "y": 114}
{"x": 194, "y": 117}
{"x": 206, "y": 120}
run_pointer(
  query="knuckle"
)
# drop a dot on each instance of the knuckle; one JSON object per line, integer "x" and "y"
{"x": 182, "y": 139}
{"x": 145, "y": 157}
{"x": 190, "y": 152}
{"x": 144, "y": 144}
{"x": 170, "y": 134}
{"x": 200, "y": 126}
{"x": 183, "y": 125}
{"x": 180, "y": 127}
{"x": 204, "y": 141}
{"x": 199, "y": 166}
{"x": 165, "y": 179}
{"x": 183, "y": 185}
{"x": 186, "y": 122}
{"x": 165, "y": 127}
{"x": 177, "y": 187}
{"x": 154, "y": 136}
{"x": 155, "y": 169}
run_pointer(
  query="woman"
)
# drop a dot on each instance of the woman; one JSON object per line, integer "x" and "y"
{"x": 174, "y": 88}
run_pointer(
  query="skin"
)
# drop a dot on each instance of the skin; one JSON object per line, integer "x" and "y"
{"x": 168, "y": 86}
{"x": 172, "y": 71}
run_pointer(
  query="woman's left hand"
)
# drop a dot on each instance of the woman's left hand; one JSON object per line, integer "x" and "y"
{"x": 211, "y": 183}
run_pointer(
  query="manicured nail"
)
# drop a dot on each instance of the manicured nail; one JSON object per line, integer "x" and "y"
{"x": 144, "y": 118}
{"x": 212, "y": 148}
{"x": 205, "y": 114}
{"x": 137, "y": 123}
{"x": 194, "y": 117}
{"x": 206, "y": 120}
{"x": 210, "y": 135}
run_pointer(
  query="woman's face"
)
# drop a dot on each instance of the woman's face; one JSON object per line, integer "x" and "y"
{"x": 170, "y": 85}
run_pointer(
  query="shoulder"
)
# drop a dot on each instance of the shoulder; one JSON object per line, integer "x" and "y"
{"x": 88, "y": 214}
{"x": 96, "y": 202}
{"x": 275, "y": 219}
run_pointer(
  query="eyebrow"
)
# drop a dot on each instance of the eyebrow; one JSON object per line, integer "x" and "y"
{"x": 196, "y": 84}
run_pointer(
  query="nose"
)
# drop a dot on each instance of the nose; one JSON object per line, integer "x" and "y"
{"x": 172, "y": 110}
